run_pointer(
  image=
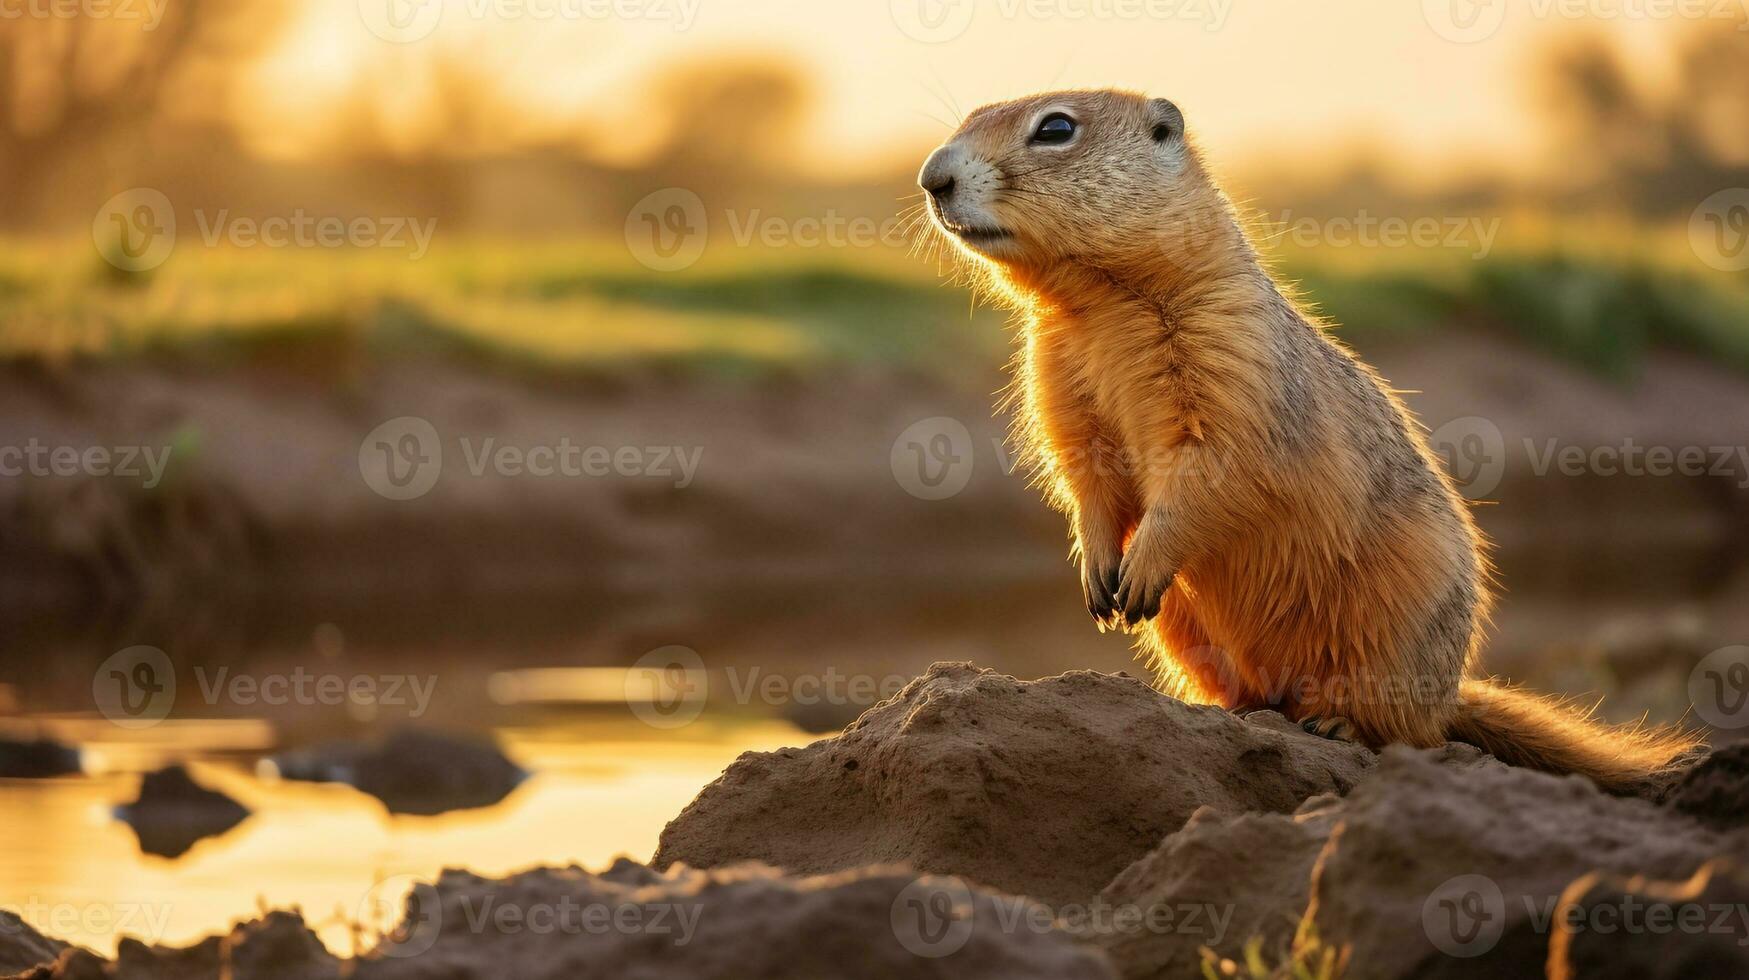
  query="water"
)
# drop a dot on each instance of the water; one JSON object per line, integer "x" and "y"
{"x": 602, "y": 788}
{"x": 548, "y": 680}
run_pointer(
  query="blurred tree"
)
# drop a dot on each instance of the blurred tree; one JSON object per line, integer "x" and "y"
{"x": 729, "y": 119}
{"x": 447, "y": 104}
{"x": 1651, "y": 153}
{"x": 87, "y": 86}
{"x": 420, "y": 129}
{"x": 1716, "y": 86}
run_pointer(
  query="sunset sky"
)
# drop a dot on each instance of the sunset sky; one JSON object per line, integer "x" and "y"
{"x": 1283, "y": 79}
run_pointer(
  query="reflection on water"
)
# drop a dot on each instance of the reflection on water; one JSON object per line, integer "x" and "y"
{"x": 602, "y": 787}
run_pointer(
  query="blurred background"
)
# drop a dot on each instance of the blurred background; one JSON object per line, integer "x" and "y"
{"x": 514, "y": 409}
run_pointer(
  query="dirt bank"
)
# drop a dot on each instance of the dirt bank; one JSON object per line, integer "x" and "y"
{"x": 766, "y": 519}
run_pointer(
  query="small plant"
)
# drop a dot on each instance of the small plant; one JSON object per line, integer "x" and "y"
{"x": 1308, "y": 958}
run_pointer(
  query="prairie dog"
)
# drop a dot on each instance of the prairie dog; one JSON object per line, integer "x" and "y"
{"x": 1241, "y": 489}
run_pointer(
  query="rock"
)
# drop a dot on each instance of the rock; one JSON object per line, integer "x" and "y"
{"x": 412, "y": 772}
{"x": 1608, "y": 927}
{"x": 1441, "y": 870}
{"x": 38, "y": 758}
{"x": 173, "y": 812}
{"x": 22, "y": 947}
{"x": 1045, "y": 788}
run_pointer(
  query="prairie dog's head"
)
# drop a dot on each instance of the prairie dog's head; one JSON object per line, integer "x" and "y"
{"x": 1099, "y": 173}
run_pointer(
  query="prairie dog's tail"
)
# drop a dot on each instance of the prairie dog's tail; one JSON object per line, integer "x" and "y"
{"x": 1543, "y": 733}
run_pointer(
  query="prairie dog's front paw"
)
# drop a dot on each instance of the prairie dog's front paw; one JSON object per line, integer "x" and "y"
{"x": 1144, "y": 576}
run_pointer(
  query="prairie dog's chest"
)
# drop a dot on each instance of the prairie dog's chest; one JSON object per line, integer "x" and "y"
{"x": 1129, "y": 388}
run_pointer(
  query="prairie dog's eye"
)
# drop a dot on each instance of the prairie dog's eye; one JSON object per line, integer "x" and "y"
{"x": 1054, "y": 128}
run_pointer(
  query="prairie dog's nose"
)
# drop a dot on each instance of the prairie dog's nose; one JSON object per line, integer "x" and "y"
{"x": 937, "y": 175}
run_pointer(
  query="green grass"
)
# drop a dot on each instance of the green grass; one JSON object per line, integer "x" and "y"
{"x": 587, "y": 306}
{"x": 1604, "y": 314}
{"x": 1384, "y": 305}
{"x": 846, "y": 316}
{"x": 561, "y": 308}
{"x": 1607, "y": 318}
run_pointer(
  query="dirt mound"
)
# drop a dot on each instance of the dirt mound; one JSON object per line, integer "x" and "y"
{"x": 1716, "y": 790}
{"x": 1433, "y": 864}
{"x": 1248, "y": 872}
{"x": 734, "y": 922}
{"x": 1046, "y": 788}
{"x": 1143, "y": 829}
{"x": 278, "y": 945}
{"x": 1442, "y": 863}
{"x": 1255, "y": 869}
{"x": 1693, "y": 928}
{"x": 631, "y": 923}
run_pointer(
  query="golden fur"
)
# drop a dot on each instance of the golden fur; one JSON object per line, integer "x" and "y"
{"x": 1233, "y": 476}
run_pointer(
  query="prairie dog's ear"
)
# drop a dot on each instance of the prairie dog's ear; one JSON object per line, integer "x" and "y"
{"x": 1166, "y": 121}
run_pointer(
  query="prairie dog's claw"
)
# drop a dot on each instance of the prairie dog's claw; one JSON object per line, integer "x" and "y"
{"x": 1334, "y": 728}
{"x": 1146, "y": 572}
{"x": 1099, "y": 587}
{"x": 1140, "y": 590}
